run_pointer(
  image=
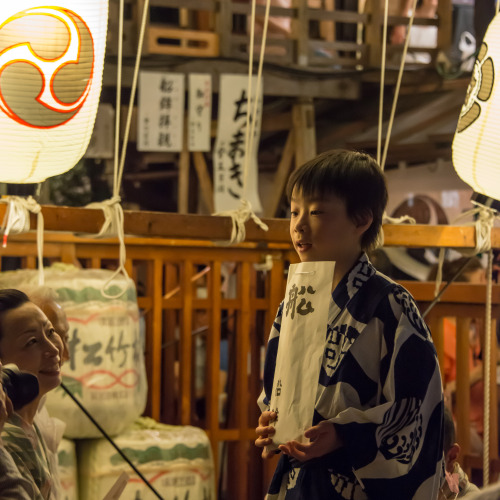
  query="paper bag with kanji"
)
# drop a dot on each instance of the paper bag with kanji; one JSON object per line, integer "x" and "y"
{"x": 301, "y": 346}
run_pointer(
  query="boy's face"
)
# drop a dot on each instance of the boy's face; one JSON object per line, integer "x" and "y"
{"x": 322, "y": 230}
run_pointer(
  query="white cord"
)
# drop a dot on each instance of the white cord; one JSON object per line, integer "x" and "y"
{"x": 398, "y": 85}
{"x": 17, "y": 221}
{"x": 487, "y": 374}
{"x": 113, "y": 228}
{"x": 241, "y": 215}
{"x": 382, "y": 83}
{"x": 113, "y": 212}
{"x": 379, "y": 242}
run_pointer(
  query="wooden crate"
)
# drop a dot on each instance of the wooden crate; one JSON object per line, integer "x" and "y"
{"x": 180, "y": 28}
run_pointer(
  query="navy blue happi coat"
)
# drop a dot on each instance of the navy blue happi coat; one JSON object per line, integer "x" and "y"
{"x": 380, "y": 386}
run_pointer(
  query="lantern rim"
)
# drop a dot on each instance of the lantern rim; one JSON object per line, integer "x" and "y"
{"x": 485, "y": 201}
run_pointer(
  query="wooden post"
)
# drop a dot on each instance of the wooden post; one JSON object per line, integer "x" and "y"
{"x": 493, "y": 395}
{"x": 305, "y": 131}
{"x": 445, "y": 28}
{"x": 185, "y": 358}
{"x": 373, "y": 32}
{"x": 463, "y": 387}
{"x": 280, "y": 177}
{"x": 183, "y": 185}
{"x": 206, "y": 187}
{"x": 327, "y": 28}
{"x": 436, "y": 326}
{"x": 224, "y": 24}
{"x": 300, "y": 28}
{"x": 213, "y": 361}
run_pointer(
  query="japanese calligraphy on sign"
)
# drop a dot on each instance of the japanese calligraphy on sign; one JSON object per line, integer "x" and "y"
{"x": 229, "y": 154}
{"x": 305, "y": 306}
{"x": 304, "y": 324}
{"x": 161, "y": 112}
{"x": 200, "y": 111}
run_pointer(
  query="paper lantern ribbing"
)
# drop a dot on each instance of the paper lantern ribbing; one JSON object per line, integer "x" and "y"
{"x": 51, "y": 62}
{"x": 476, "y": 146}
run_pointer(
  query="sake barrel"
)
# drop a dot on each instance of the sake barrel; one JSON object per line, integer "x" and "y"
{"x": 176, "y": 460}
{"x": 106, "y": 371}
{"x": 68, "y": 473}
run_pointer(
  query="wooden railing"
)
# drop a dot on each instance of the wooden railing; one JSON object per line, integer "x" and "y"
{"x": 191, "y": 293}
{"x": 464, "y": 303}
{"x": 195, "y": 293}
{"x": 315, "y": 35}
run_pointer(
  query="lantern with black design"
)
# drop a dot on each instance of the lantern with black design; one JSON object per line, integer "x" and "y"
{"x": 476, "y": 145}
{"x": 51, "y": 62}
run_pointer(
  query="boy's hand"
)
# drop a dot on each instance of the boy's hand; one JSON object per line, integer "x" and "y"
{"x": 324, "y": 439}
{"x": 264, "y": 430}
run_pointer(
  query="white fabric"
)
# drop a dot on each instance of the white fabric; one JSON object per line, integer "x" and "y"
{"x": 17, "y": 221}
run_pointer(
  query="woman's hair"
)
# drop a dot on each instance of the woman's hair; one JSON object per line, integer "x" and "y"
{"x": 10, "y": 298}
{"x": 351, "y": 176}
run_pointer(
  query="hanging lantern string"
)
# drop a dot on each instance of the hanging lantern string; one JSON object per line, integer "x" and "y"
{"x": 487, "y": 373}
{"x": 398, "y": 85}
{"x": 381, "y": 161}
{"x": 382, "y": 82}
{"x": 17, "y": 221}
{"x": 112, "y": 209}
{"x": 245, "y": 212}
{"x": 113, "y": 212}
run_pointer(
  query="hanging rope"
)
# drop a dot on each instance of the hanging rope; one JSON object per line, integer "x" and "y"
{"x": 241, "y": 215}
{"x": 381, "y": 161}
{"x": 238, "y": 218}
{"x": 17, "y": 221}
{"x": 398, "y": 85}
{"x": 113, "y": 226}
{"x": 382, "y": 82}
{"x": 487, "y": 374}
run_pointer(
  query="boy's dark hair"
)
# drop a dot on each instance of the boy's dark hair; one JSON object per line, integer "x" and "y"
{"x": 10, "y": 298}
{"x": 353, "y": 177}
{"x": 449, "y": 436}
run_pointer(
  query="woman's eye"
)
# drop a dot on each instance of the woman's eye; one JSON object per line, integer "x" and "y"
{"x": 52, "y": 331}
{"x": 31, "y": 342}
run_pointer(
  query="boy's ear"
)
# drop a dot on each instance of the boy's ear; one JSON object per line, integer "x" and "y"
{"x": 364, "y": 220}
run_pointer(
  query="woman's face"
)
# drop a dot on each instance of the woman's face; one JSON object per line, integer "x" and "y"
{"x": 29, "y": 341}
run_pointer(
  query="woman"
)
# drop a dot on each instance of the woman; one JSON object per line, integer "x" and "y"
{"x": 28, "y": 339}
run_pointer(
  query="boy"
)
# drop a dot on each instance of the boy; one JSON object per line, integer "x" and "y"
{"x": 377, "y": 423}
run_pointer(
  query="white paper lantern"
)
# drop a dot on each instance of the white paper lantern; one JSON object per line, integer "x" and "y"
{"x": 51, "y": 62}
{"x": 476, "y": 145}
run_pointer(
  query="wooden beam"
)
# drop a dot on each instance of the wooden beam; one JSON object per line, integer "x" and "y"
{"x": 304, "y": 127}
{"x": 329, "y": 86}
{"x": 281, "y": 177}
{"x": 207, "y": 227}
{"x": 206, "y": 188}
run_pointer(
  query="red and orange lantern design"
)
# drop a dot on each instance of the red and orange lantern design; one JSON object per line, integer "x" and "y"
{"x": 51, "y": 62}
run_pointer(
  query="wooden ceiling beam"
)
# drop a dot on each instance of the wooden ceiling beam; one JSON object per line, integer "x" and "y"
{"x": 208, "y": 227}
